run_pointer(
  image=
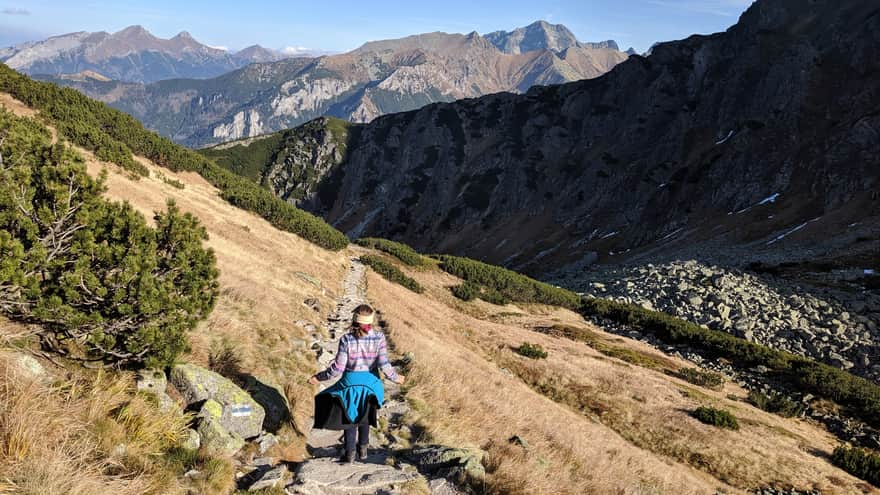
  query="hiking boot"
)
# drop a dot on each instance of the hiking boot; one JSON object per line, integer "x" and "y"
{"x": 362, "y": 452}
{"x": 347, "y": 457}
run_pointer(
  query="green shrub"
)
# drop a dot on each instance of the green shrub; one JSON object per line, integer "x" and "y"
{"x": 861, "y": 463}
{"x": 401, "y": 251}
{"x": 509, "y": 284}
{"x": 776, "y": 403}
{"x": 701, "y": 378}
{"x": 533, "y": 351}
{"x": 114, "y": 136}
{"x": 391, "y": 273}
{"x": 92, "y": 273}
{"x": 860, "y": 396}
{"x": 248, "y": 160}
{"x": 466, "y": 291}
{"x": 716, "y": 417}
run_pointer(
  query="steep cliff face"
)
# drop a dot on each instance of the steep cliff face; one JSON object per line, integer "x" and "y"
{"x": 378, "y": 78}
{"x": 760, "y": 142}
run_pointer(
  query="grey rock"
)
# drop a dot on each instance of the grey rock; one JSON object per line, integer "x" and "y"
{"x": 27, "y": 365}
{"x": 154, "y": 382}
{"x": 327, "y": 476}
{"x": 191, "y": 440}
{"x": 214, "y": 437}
{"x": 270, "y": 479}
{"x": 229, "y": 405}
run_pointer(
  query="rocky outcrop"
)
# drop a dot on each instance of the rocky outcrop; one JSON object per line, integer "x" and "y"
{"x": 378, "y": 78}
{"x": 306, "y": 157}
{"x": 224, "y": 404}
{"x": 744, "y": 145}
{"x": 841, "y": 330}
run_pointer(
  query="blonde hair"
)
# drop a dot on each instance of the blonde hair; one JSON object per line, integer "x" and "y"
{"x": 363, "y": 314}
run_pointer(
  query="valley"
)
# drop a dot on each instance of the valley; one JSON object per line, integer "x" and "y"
{"x": 599, "y": 271}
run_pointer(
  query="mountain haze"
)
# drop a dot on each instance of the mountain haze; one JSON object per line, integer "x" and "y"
{"x": 132, "y": 55}
{"x": 378, "y": 78}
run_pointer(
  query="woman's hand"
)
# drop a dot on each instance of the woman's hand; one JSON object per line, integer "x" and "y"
{"x": 314, "y": 380}
{"x": 400, "y": 379}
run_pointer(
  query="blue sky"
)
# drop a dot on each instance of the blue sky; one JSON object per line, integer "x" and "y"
{"x": 339, "y": 25}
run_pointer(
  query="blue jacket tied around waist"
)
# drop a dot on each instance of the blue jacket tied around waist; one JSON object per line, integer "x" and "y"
{"x": 355, "y": 391}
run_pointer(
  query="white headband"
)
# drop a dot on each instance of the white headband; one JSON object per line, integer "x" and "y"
{"x": 364, "y": 319}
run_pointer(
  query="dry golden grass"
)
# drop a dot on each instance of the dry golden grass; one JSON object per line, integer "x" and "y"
{"x": 595, "y": 423}
{"x": 265, "y": 275}
{"x": 90, "y": 435}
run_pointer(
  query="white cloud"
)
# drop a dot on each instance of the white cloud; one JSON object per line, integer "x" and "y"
{"x": 294, "y": 50}
{"x": 16, "y": 11}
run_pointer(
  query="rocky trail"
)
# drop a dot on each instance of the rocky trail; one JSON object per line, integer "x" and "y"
{"x": 391, "y": 467}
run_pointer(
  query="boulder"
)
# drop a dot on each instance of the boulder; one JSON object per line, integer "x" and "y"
{"x": 191, "y": 440}
{"x": 235, "y": 410}
{"x": 153, "y": 381}
{"x": 266, "y": 480}
{"x": 26, "y": 365}
{"x": 272, "y": 399}
{"x": 214, "y": 437}
{"x": 461, "y": 464}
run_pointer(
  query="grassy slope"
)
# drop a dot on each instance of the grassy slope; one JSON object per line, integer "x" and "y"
{"x": 626, "y": 429}
{"x": 249, "y": 158}
{"x": 265, "y": 274}
{"x": 597, "y": 423}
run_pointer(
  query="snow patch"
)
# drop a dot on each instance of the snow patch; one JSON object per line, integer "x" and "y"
{"x": 728, "y": 136}
{"x": 869, "y": 271}
{"x": 769, "y": 199}
{"x": 792, "y": 231}
{"x": 606, "y": 236}
{"x": 667, "y": 236}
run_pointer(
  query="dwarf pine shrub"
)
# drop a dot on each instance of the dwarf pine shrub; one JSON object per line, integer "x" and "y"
{"x": 861, "y": 463}
{"x": 391, "y": 273}
{"x": 402, "y": 252}
{"x": 93, "y": 273}
{"x": 507, "y": 283}
{"x": 716, "y": 417}
{"x": 701, "y": 378}
{"x": 533, "y": 351}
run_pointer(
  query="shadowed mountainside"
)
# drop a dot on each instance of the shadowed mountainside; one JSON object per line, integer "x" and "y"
{"x": 757, "y": 143}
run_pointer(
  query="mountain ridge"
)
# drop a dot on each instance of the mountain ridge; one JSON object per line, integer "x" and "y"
{"x": 379, "y": 77}
{"x": 132, "y": 54}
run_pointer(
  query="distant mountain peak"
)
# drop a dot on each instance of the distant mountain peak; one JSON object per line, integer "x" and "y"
{"x": 132, "y": 54}
{"x": 541, "y": 35}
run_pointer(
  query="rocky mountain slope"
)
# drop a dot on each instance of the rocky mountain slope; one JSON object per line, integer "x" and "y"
{"x": 379, "y": 77}
{"x": 759, "y": 143}
{"x": 541, "y": 35}
{"x": 132, "y": 55}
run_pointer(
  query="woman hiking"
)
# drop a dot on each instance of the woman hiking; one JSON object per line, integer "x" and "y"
{"x": 351, "y": 404}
